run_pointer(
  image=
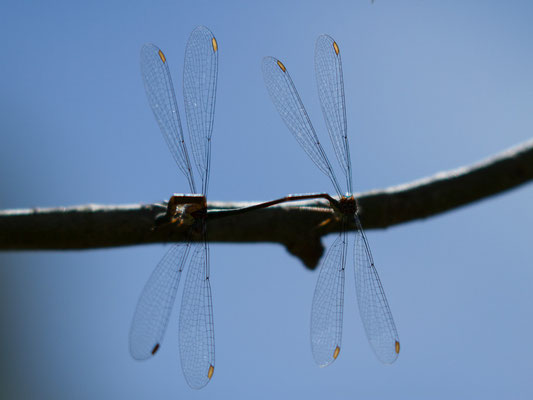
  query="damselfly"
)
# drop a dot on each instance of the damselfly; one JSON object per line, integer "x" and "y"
{"x": 328, "y": 300}
{"x": 196, "y": 331}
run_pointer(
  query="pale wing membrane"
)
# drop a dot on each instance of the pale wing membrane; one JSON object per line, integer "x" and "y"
{"x": 291, "y": 109}
{"x": 160, "y": 93}
{"x": 199, "y": 93}
{"x": 196, "y": 332}
{"x": 155, "y": 304}
{"x": 373, "y": 306}
{"x": 328, "y": 304}
{"x": 329, "y": 79}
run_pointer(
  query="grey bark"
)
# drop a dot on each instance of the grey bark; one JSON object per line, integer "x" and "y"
{"x": 298, "y": 226}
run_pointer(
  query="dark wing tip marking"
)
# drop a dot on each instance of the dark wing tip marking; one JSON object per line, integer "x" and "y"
{"x": 397, "y": 347}
{"x": 156, "y": 347}
{"x": 280, "y": 64}
{"x": 162, "y": 56}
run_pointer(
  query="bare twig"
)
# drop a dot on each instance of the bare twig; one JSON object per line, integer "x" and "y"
{"x": 298, "y": 226}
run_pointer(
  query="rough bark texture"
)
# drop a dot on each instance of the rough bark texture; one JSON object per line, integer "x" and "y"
{"x": 298, "y": 226}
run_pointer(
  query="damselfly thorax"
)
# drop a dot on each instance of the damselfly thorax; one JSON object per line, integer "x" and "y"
{"x": 183, "y": 210}
{"x": 347, "y": 206}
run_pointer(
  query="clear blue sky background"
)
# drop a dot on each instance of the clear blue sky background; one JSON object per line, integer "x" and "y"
{"x": 430, "y": 85}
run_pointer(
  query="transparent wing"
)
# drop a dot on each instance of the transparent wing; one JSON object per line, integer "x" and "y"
{"x": 197, "y": 338}
{"x": 160, "y": 93}
{"x": 373, "y": 306}
{"x": 289, "y": 105}
{"x": 155, "y": 304}
{"x": 199, "y": 93}
{"x": 328, "y": 304}
{"x": 328, "y": 69}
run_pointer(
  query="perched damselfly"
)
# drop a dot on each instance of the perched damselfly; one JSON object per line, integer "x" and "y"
{"x": 328, "y": 300}
{"x": 196, "y": 330}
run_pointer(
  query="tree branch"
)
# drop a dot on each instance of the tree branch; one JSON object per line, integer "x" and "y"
{"x": 298, "y": 226}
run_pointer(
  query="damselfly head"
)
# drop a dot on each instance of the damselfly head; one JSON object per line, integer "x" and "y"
{"x": 178, "y": 216}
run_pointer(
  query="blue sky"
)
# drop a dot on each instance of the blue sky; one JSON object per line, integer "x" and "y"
{"x": 430, "y": 85}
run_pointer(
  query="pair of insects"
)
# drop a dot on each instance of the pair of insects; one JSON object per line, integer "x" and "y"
{"x": 196, "y": 331}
